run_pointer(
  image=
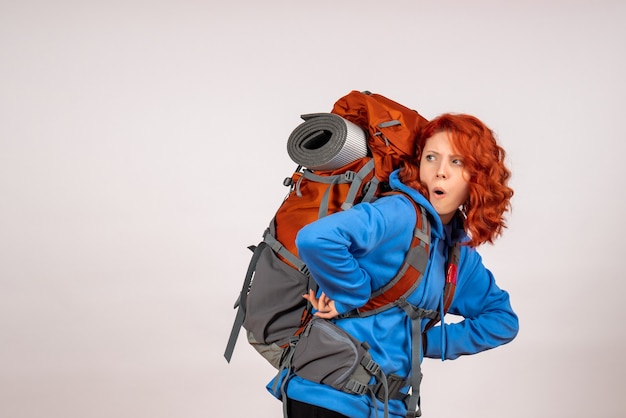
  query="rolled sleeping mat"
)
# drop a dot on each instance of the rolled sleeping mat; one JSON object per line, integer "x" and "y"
{"x": 325, "y": 141}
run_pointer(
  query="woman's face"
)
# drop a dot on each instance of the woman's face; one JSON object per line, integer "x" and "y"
{"x": 443, "y": 174}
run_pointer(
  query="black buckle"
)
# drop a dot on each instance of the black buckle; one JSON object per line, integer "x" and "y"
{"x": 394, "y": 384}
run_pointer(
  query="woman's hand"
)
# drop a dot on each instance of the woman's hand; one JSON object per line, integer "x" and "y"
{"x": 324, "y": 305}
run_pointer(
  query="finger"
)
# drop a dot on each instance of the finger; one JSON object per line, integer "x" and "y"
{"x": 312, "y": 299}
{"x": 324, "y": 300}
{"x": 325, "y": 315}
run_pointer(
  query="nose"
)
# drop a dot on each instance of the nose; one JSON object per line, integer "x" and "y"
{"x": 441, "y": 171}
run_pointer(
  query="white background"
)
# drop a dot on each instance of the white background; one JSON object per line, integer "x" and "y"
{"x": 143, "y": 147}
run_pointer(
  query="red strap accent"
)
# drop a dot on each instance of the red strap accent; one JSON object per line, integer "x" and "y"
{"x": 450, "y": 287}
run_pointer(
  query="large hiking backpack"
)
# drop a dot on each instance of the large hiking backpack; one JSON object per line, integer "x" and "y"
{"x": 344, "y": 157}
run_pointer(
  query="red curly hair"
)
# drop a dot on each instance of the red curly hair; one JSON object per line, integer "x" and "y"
{"x": 483, "y": 159}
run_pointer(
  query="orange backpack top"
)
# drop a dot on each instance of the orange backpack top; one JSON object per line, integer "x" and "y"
{"x": 391, "y": 130}
{"x": 392, "y": 127}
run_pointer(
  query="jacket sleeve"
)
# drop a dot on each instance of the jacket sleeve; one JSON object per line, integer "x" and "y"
{"x": 352, "y": 253}
{"x": 488, "y": 318}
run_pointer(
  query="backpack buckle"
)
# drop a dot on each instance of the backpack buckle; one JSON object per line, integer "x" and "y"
{"x": 358, "y": 388}
{"x": 370, "y": 365}
{"x": 305, "y": 270}
{"x": 349, "y": 175}
{"x": 394, "y": 384}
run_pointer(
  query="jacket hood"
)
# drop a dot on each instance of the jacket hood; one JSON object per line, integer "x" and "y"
{"x": 435, "y": 224}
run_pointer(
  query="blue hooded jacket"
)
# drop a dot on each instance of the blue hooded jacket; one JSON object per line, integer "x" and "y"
{"x": 352, "y": 253}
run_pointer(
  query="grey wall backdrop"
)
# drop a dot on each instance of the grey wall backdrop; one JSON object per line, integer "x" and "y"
{"x": 143, "y": 147}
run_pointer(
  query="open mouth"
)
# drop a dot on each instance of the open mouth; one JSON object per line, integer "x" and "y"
{"x": 438, "y": 192}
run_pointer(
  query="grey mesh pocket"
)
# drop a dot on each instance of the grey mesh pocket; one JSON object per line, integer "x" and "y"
{"x": 327, "y": 354}
{"x": 275, "y": 304}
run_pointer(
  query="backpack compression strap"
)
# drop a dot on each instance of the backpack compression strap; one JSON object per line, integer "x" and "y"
{"x": 242, "y": 302}
{"x": 354, "y": 178}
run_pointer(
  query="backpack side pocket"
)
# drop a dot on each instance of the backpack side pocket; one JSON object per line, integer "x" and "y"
{"x": 275, "y": 306}
{"x": 327, "y": 354}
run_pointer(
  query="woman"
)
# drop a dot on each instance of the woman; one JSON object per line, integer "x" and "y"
{"x": 460, "y": 178}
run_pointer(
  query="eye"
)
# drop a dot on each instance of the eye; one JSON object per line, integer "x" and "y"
{"x": 429, "y": 157}
{"x": 457, "y": 161}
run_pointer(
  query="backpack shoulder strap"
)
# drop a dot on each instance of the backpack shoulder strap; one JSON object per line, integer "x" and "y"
{"x": 410, "y": 274}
